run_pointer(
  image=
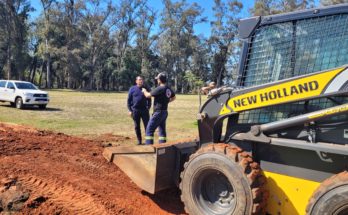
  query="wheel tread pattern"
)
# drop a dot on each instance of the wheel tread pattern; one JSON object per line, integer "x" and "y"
{"x": 251, "y": 169}
{"x": 327, "y": 185}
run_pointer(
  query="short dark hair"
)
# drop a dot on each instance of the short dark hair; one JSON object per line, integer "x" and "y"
{"x": 162, "y": 77}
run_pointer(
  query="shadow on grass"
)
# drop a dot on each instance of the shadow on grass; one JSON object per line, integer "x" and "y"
{"x": 34, "y": 108}
{"x": 168, "y": 200}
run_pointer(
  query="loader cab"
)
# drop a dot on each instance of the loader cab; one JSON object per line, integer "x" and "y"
{"x": 280, "y": 47}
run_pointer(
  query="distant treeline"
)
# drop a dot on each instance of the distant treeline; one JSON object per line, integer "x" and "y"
{"x": 104, "y": 45}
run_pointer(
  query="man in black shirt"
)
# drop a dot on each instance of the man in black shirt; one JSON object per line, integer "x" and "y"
{"x": 163, "y": 95}
{"x": 138, "y": 106}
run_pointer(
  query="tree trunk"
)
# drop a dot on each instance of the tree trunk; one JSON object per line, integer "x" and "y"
{"x": 33, "y": 70}
{"x": 42, "y": 71}
{"x": 48, "y": 66}
{"x": 9, "y": 61}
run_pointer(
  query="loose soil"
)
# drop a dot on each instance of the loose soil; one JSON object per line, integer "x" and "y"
{"x": 43, "y": 172}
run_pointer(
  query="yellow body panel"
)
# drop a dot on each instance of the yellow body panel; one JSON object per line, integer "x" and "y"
{"x": 224, "y": 110}
{"x": 294, "y": 90}
{"x": 288, "y": 195}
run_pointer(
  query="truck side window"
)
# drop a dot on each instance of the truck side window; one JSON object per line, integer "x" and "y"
{"x": 2, "y": 84}
{"x": 10, "y": 85}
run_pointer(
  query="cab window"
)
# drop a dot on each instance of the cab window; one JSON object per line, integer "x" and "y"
{"x": 299, "y": 47}
{"x": 10, "y": 85}
{"x": 2, "y": 84}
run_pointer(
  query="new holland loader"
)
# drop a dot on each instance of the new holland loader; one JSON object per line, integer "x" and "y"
{"x": 277, "y": 142}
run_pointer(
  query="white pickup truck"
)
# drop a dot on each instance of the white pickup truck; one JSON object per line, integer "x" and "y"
{"x": 21, "y": 93}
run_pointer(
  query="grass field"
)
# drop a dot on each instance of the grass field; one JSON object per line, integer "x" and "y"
{"x": 89, "y": 114}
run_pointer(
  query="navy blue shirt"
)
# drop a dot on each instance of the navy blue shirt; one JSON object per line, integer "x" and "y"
{"x": 137, "y": 100}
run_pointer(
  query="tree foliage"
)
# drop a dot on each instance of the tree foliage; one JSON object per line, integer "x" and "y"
{"x": 105, "y": 44}
{"x": 332, "y": 2}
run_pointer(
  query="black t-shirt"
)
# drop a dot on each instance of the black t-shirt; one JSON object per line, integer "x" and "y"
{"x": 162, "y": 96}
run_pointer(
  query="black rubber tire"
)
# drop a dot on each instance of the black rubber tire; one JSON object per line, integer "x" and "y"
{"x": 331, "y": 197}
{"x": 42, "y": 107}
{"x": 234, "y": 181}
{"x": 19, "y": 103}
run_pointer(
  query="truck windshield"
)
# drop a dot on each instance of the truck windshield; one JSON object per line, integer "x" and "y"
{"x": 26, "y": 86}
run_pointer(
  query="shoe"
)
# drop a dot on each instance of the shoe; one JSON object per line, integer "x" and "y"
{"x": 139, "y": 144}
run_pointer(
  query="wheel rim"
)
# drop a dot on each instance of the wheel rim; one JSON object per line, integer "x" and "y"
{"x": 343, "y": 210}
{"x": 213, "y": 192}
{"x": 18, "y": 103}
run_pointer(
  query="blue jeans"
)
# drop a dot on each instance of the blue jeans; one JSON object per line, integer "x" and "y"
{"x": 158, "y": 120}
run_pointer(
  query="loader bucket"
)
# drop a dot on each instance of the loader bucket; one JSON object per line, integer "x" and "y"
{"x": 153, "y": 167}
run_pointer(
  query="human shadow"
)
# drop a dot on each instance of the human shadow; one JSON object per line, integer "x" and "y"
{"x": 168, "y": 200}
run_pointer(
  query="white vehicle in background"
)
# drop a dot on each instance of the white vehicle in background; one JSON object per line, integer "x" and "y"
{"x": 21, "y": 93}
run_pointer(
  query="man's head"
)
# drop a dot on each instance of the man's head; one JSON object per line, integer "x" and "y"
{"x": 212, "y": 85}
{"x": 161, "y": 78}
{"x": 139, "y": 81}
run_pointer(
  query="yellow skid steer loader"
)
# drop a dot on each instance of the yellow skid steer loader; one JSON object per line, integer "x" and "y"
{"x": 275, "y": 143}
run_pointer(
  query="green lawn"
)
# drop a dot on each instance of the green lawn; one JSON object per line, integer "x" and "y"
{"x": 89, "y": 114}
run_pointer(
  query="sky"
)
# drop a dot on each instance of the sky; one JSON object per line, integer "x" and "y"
{"x": 203, "y": 28}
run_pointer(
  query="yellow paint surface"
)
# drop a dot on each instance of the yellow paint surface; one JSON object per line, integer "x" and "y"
{"x": 224, "y": 110}
{"x": 330, "y": 111}
{"x": 288, "y": 195}
{"x": 283, "y": 92}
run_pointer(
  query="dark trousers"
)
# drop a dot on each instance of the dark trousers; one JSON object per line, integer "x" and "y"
{"x": 158, "y": 120}
{"x": 139, "y": 115}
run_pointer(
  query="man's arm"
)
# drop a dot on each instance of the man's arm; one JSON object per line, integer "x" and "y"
{"x": 148, "y": 100}
{"x": 146, "y": 93}
{"x": 172, "y": 97}
{"x": 130, "y": 101}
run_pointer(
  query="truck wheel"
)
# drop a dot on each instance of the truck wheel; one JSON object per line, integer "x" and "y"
{"x": 222, "y": 179}
{"x": 19, "y": 103}
{"x": 331, "y": 198}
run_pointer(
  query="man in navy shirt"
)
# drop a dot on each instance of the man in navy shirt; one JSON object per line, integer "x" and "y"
{"x": 163, "y": 95}
{"x": 138, "y": 106}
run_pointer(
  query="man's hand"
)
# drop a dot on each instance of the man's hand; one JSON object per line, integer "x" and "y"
{"x": 146, "y": 94}
{"x": 172, "y": 99}
{"x": 130, "y": 114}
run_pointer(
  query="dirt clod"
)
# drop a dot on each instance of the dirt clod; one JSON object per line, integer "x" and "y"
{"x": 36, "y": 202}
{"x": 48, "y": 173}
{"x": 12, "y": 196}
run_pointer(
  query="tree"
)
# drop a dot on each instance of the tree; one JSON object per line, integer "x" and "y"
{"x": 14, "y": 17}
{"x": 194, "y": 82}
{"x": 46, "y": 5}
{"x": 269, "y": 7}
{"x": 263, "y": 8}
{"x": 96, "y": 24}
{"x": 177, "y": 32}
{"x": 332, "y": 2}
{"x": 144, "y": 40}
{"x": 223, "y": 38}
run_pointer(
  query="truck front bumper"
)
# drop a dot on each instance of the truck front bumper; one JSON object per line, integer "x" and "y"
{"x": 36, "y": 100}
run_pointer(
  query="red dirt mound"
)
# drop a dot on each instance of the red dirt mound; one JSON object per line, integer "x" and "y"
{"x": 68, "y": 175}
